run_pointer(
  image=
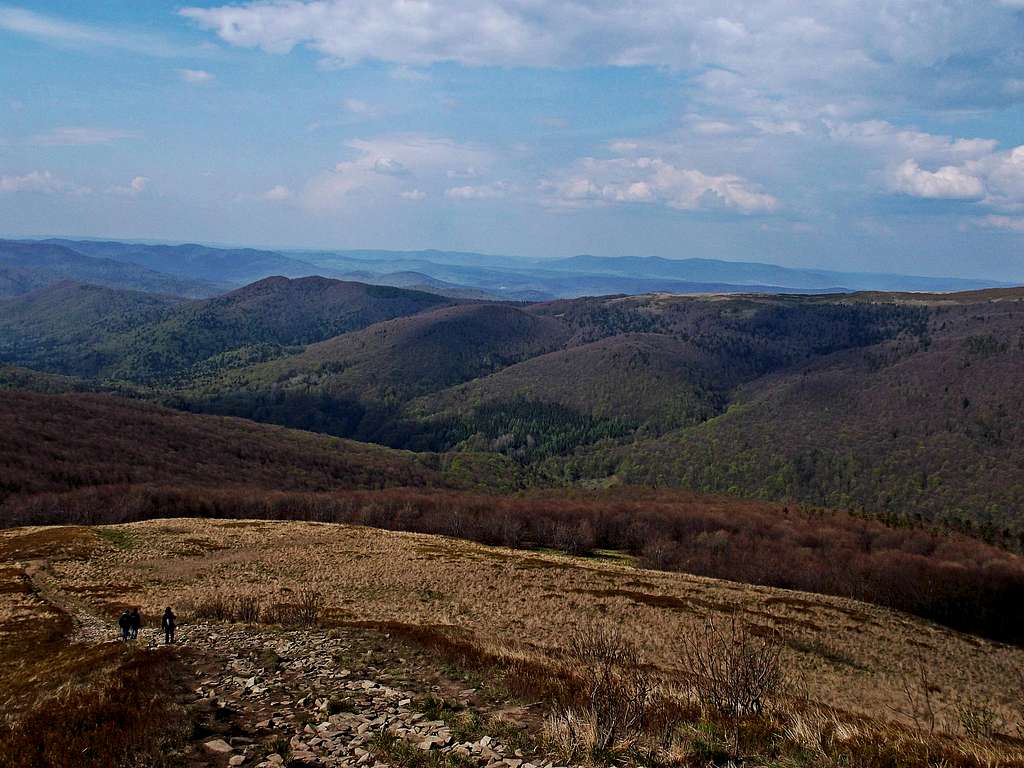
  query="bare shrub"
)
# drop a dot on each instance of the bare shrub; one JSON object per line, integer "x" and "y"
{"x": 733, "y": 672}
{"x": 214, "y": 607}
{"x": 616, "y": 690}
{"x": 285, "y": 614}
{"x": 917, "y": 687}
{"x": 309, "y": 607}
{"x": 248, "y": 609}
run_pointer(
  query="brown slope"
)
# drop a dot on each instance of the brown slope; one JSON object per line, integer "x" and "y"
{"x": 60, "y": 443}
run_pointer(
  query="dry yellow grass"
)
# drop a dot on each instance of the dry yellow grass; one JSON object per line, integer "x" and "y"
{"x": 850, "y": 654}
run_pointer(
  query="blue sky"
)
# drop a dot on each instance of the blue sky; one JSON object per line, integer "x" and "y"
{"x": 860, "y": 135}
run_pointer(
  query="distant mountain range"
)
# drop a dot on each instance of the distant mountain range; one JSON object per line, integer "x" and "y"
{"x": 197, "y": 270}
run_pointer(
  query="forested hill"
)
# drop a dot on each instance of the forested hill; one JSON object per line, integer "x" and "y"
{"x": 910, "y": 428}
{"x": 136, "y": 337}
{"x": 900, "y": 405}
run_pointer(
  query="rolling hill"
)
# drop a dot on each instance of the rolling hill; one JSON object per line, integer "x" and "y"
{"x": 649, "y": 381}
{"x": 412, "y": 355}
{"x": 739, "y": 273}
{"x": 898, "y": 405}
{"x": 85, "y": 330}
{"x": 59, "y": 327}
{"x": 909, "y": 429}
{"x": 223, "y": 266}
{"x": 26, "y": 266}
{"x": 63, "y": 444}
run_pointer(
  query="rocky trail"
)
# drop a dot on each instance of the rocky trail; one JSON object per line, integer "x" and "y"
{"x": 346, "y": 696}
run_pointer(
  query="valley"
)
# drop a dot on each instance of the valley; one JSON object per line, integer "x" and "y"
{"x": 407, "y": 524}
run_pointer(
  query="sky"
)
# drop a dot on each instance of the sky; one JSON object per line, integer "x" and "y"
{"x": 870, "y": 135}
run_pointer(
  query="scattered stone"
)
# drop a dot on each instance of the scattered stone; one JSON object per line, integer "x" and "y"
{"x": 219, "y": 746}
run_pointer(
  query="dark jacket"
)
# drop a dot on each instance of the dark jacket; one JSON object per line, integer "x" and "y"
{"x": 125, "y": 621}
{"x": 168, "y": 621}
{"x": 136, "y": 620}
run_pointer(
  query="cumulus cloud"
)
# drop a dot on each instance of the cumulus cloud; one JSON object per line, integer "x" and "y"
{"x": 409, "y": 74}
{"x": 815, "y": 49}
{"x": 43, "y": 182}
{"x": 135, "y": 187}
{"x": 79, "y": 137}
{"x": 196, "y": 76}
{"x": 386, "y": 164}
{"x": 653, "y": 180}
{"x": 493, "y": 191}
{"x": 1005, "y": 223}
{"x": 360, "y": 108}
{"x": 996, "y": 180}
{"x": 946, "y": 183}
{"x": 277, "y": 193}
{"x": 36, "y": 181}
{"x": 885, "y": 138}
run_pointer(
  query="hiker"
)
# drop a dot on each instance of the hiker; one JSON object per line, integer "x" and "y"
{"x": 136, "y": 622}
{"x": 168, "y": 624}
{"x": 125, "y": 623}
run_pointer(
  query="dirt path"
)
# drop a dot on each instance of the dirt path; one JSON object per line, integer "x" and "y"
{"x": 342, "y": 697}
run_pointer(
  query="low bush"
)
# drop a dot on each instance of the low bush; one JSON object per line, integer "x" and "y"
{"x": 123, "y": 715}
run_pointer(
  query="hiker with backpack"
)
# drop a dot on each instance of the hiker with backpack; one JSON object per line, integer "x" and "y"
{"x": 125, "y": 623}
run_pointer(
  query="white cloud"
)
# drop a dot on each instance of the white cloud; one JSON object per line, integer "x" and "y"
{"x": 58, "y": 31}
{"x": 705, "y": 127}
{"x": 79, "y": 137}
{"x": 135, "y": 187}
{"x": 493, "y": 191}
{"x": 779, "y": 127}
{"x": 409, "y": 74}
{"x": 360, "y": 108}
{"x": 996, "y": 180}
{"x": 413, "y": 194}
{"x": 389, "y": 166}
{"x": 806, "y": 53}
{"x": 1004, "y": 178}
{"x": 277, "y": 193}
{"x": 196, "y": 76}
{"x": 38, "y": 181}
{"x": 653, "y": 180}
{"x": 469, "y": 172}
{"x": 885, "y": 138}
{"x": 947, "y": 183}
{"x": 385, "y": 164}
{"x": 1005, "y": 223}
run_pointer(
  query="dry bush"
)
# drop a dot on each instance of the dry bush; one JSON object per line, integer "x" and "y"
{"x": 616, "y": 690}
{"x": 248, "y": 609}
{"x": 918, "y": 689}
{"x": 732, "y": 671}
{"x": 124, "y": 715}
{"x": 309, "y": 607}
{"x": 214, "y": 607}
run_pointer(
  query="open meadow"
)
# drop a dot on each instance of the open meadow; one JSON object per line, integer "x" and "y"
{"x": 516, "y": 615}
